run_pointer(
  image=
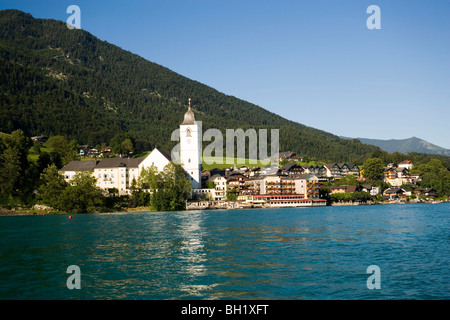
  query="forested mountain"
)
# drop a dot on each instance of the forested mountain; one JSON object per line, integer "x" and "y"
{"x": 57, "y": 81}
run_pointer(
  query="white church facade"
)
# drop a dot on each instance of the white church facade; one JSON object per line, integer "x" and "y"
{"x": 118, "y": 173}
{"x": 191, "y": 147}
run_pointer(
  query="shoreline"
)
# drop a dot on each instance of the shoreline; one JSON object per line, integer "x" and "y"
{"x": 30, "y": 212}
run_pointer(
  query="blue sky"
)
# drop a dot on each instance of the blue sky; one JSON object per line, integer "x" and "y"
{"x": 314, "y": 62}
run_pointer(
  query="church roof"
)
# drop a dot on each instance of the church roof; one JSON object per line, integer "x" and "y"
{"x": 189, "y": 117}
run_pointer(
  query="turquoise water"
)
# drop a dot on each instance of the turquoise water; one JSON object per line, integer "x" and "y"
{"x": 290, "y": 253}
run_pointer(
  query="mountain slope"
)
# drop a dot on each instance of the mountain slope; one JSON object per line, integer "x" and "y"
{"x": 56, "y": 81}
{"x": 406, "y": 146}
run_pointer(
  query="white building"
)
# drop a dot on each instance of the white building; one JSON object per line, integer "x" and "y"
{"x": 191, "y": 147}
{"x": 406, "y": 164}
{"x": 71, "y": 169}
{"x": 220, "y": 190}
{"x": 116, "y": 173}
{"x": 157, "y": 158}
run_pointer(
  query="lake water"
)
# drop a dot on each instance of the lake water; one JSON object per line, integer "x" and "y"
{"x": 291, "y": 253}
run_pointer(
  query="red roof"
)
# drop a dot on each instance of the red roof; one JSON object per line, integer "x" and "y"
{"x": 405, "y": 162}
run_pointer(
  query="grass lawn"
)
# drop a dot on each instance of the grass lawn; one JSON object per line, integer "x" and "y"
{"x": 222, "y": 163}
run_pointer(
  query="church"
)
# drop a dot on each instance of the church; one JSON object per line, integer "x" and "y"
{"x": 118, "y": 173}
{"x": 191, "y": 147}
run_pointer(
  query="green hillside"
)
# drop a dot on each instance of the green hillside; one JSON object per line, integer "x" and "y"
{"x": 56, "y": 81}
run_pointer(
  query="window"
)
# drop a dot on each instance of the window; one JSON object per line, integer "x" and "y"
{"x": 189, "y": 160}
{"x": 188, "y": 132}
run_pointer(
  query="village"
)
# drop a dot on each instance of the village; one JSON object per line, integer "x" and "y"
{"x": 285, "y": 183}
{"x": 288, "y": 185}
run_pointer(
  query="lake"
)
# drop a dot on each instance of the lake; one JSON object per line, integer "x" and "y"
{"x": 289, "y": 253}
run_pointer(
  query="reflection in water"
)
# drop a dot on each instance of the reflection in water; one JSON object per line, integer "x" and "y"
{"x": 191, "y": 251}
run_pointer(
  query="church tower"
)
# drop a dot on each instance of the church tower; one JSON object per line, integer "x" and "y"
{"x": 191, "y": 147}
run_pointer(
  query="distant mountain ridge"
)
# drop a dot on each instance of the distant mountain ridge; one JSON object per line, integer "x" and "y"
{"x": 405, "y": 146}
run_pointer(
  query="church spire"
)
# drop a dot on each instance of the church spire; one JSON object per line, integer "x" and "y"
{"x": 189, "y": 117}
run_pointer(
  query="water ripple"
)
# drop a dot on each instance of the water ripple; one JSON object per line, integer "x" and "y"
{"x": 317, "y": 253}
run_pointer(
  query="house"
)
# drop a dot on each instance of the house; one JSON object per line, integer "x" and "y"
{"x": 339, "y": 170}
{"x": 399, "y": 176}
{"x": 370, "y": 189}
{"x": 291, "y": 169}
{"x": 406, "y": 164}
{"x": 220, "y": 189}
{"x": 319, "y": 171}
{"x": 236, "y": 182}
{"x": 105, "y": 151}
{"x": 333, "y": 170}
{"x": 342, "y": 189}
{"x": 395, "y": 193}
{"x": 253, "y": 172}
{"x": 349, "y": 168}
{"x": 427, "y": 192}
{"x": 269, "y": 170}
{"x": 288, "y": 156}
{"x": 42, "y": 139}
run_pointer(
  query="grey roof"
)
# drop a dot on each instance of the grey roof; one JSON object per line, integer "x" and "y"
{"x": 215, "y": 176}
{"x": 87, "y": 165}
{"x": 189, "y": 117}
{"x": 306, "y": 176}
{"x": 119, "y": 162}
{"x": 393, "y": 190}
{"x": 289, "y": 166}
